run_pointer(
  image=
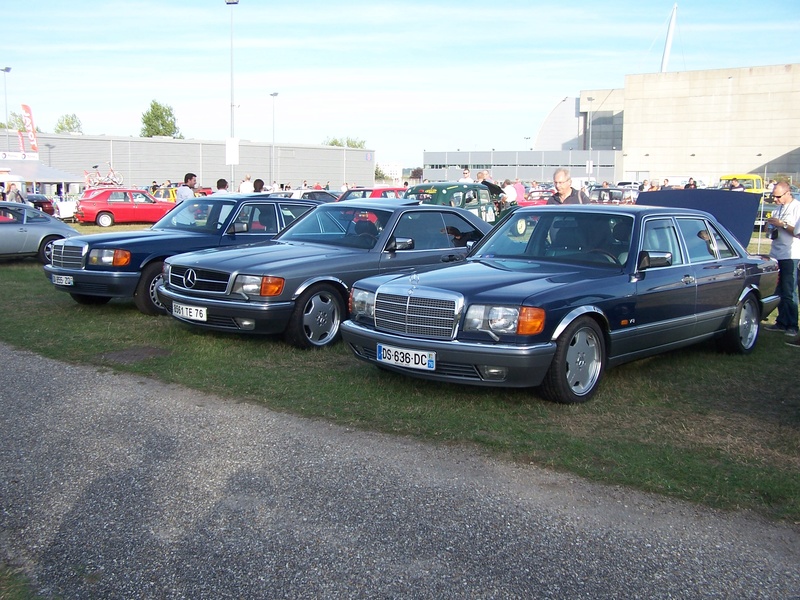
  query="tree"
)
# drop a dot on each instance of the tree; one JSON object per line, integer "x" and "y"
{"x": 417, "y": 173}
{"x": 15, "y": 122}
{"x": 345, "y": 142}
{"x": 159, "y": 120}
{"x": 379, "y": 174}
{"x": 69, "y": 124}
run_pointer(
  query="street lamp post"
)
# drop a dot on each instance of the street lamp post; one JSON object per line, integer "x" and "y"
{"x": 272, "y": 150}
{"x": 6, "y": 70}
{"x": 232, "y": 3}
{"x": 591, "y": 163}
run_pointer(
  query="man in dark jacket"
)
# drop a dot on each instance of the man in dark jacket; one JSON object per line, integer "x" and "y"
{"x": 565, "y": 193}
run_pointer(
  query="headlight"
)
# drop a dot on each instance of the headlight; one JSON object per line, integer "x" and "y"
{"x": 250, "y": 285}
{"x": 109, "y": 258}
{"x": 525, "y": 320}
{"x": 362, "y": 304}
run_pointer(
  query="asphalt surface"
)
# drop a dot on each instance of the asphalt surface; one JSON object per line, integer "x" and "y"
{"x": 116, "y": 486}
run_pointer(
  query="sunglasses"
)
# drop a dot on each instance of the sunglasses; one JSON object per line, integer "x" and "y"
{"x": 774, "y": 197}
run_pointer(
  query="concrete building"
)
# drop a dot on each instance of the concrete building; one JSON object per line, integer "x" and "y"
{"x": 674, "y": 125}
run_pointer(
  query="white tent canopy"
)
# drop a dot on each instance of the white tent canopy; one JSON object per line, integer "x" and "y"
{"x": 34, "y": 172}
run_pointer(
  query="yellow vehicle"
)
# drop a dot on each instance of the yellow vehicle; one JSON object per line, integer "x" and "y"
{"x": 752, "y": 183}
{"x": 168, "y": 194}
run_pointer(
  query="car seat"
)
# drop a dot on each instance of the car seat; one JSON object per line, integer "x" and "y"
{"x": 267, "y": 220}
{"x": 366, "y": 228}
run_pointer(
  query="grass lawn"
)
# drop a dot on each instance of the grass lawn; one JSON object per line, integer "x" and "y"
{"x": 693, "y": 424}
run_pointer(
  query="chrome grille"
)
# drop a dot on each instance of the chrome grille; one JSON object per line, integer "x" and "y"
{"x": 67, "y": 255}
{"x": 203, "y": 280}
{"x": 416, "y": 315}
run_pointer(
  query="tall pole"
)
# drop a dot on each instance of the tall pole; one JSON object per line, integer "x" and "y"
{"x": 6, "y": 70}
{"x": 232, "y": 3}
{"x": 272, "y": 150}
{"x": 591, "y": 162}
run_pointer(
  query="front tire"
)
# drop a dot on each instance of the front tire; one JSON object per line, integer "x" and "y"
{"x": 104, "y": 219}
{"x": 145, "y": 296}
{"x": 317, "y": 318}
{"x": 90, "y": 300}
{"x": 578, "y": 363}
{"x": 742, "y": 333}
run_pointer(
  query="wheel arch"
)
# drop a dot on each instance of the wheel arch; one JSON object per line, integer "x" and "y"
{"x": 337, "y": 283}
{"x": 592, "y": 312}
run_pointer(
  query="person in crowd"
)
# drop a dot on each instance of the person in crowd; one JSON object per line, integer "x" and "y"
{"x": 222, "y": 186}
{"x": 153, "y": 187}
{"x": 645, "y": 186}
{"x": 246, "y": 187}
{"x": 786, "y": 250}
{"x": 186, "y": 191}
{"x": 465, "y": 177}
{"x": 565, "y": 193}
{"x": 520, "y": 189}
{"x": 736, "y": 186}
{"x": 509, "y": 195}
{"x": 258, "y": 186}
{"x": 691, "y": 185}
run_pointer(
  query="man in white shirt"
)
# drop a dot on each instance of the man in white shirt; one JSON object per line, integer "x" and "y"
{"x": 222, "y": 186}
{"x": 246, "y": 187}
{"x": 466, "y": 177}
{"x": 186, "y": 191}
{"x": 786, "y": 250}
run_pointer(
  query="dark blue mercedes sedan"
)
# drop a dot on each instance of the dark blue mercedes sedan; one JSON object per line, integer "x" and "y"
{"x": 556, "y": 294}
{"x": 95, "y": 268}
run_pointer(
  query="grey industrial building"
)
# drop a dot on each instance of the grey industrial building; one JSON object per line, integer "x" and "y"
{"x": 65, "y": 158}
{"x": 674, "y": 125}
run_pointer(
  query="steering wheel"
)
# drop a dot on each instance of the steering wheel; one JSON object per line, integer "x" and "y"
{"x": 606, "y": 254}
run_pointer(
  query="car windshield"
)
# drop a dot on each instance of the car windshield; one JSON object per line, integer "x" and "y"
{"x": 338, "y": 225}
{"x": 208, "y": 214}
{"x": 593, "y": 237}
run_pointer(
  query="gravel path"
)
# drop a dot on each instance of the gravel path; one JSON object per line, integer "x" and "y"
{"x": 116, "y": 486}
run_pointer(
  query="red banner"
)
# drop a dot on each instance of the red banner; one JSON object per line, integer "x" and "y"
{"x": 21, "y": 141}
{"x": 27, "y": 118}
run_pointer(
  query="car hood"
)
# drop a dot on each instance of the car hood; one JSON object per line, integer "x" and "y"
{"x": 130, "y": 239}
{"x": 503, "y": 281}
{"x": 256, "y": 258}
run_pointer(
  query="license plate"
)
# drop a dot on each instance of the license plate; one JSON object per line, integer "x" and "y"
{"x": 405, "y": 357}
{"x": 193, "y": 313}
{"x": 62, "y": 280}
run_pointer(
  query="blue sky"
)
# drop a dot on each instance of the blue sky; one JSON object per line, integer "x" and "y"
{"x": 403, "y": 76}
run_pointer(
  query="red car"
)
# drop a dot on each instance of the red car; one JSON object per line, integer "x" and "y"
{"x": 108, "y": 205}
{"x": 376, "y": 192}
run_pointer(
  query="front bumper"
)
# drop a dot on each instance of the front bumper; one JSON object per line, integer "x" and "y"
{"x": 109, "y": 284}
{"x": 458, "y": 362}
{"x": 231, "y": 315}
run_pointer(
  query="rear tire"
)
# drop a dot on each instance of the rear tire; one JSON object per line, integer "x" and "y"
{"x": 317, "y": 318}
{"x": 145, "y": 296}
{"x": 90, "y": 300}
{"x": 45, "y": 254}
{"x": 742, "y": 333}
{"x": 578, "y": 363}
{"x": 104, "y": 219}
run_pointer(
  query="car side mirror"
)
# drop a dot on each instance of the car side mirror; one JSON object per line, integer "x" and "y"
{"x": 400, "y": 243}
{"x": 649, "y": 260}
{"x": 238, "y": 227}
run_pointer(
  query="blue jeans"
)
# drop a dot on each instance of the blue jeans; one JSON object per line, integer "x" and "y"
{"x": 787, "y": 290}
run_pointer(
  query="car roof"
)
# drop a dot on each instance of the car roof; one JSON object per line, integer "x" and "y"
{"x": 380, "y": 203}
{"x": 631, "y": 209}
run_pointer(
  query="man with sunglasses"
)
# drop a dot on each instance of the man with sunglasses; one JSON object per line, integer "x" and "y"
{"x": 786, "y": 250}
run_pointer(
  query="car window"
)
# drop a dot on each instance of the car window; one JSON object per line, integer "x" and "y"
{"x": 118, "y": 197}
{"x": 427, "y": 228}
{"x": 11, "y": 215}
{"x": 389, "y": 194}
{"x": 258, "y": 218}
{"x": 699, "y": 241}
{"x": 460, "y": 231}
{"x": 339, "y": 225}
{"x": 601, "y": 239}
{"x": 141, "y": 198}
{"x": 724, "y": 248}
{"x": 33, "y": 215}
{"x": 292, "y": 211}
{"x": 660, "y": 236}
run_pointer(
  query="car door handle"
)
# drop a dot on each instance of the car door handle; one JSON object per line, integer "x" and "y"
{"x": 688, "y": 279}
{"x": 451, "y": 258}
{"x": 739, "y": 272}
